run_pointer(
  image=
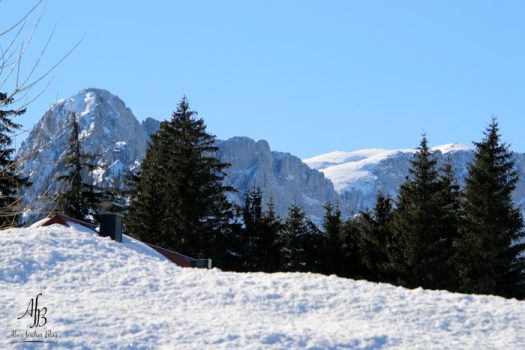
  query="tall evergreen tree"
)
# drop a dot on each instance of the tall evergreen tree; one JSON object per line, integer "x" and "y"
{"x": 147, "y": 196}
{"x": 180, "y": 200}
{"x": 333, "y": 226}
{"x": 78, "y": 197}
{"x": 269, "y": 244}
{"x": 449, "y": 201}
{"x": 253, "y": 230}
{"x": 351, "y": 242}
{"x": 10, "y": 181}
{"x": 489, "y": 255}
{"x": 418, "y": 223}
{"x": 377, "y": 240}
{"x": 259, "y": 238}
{"x": 302, "y": 243}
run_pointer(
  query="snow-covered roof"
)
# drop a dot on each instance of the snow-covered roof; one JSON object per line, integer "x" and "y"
{"x": 150, "y": 249}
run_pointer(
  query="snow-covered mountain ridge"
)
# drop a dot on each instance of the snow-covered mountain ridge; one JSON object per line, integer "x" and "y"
{"x": 345, "y": 168}
{"x": 101, "y": 294}
{"x": 359, "y": 176}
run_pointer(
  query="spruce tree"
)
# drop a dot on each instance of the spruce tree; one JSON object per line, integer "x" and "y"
{"x": 332, "y": 225}
{"x": 351, "y": 243}
{"x": 180, "y": 200}
{"x": 269, "y": 244}
{"x": 253, "y": 230}
{"x": 489, "y": 252}
{"x": 417, "y": 224}
{"x": 10, "y": 181}
{"x": 449, "y": 200}
{"x": 147, "y": 200}
{"x": 259, "y": 239}
{"x": 378, "y": 240}
{"x": 78, "y": 197}
{"x": 301, "y": 243}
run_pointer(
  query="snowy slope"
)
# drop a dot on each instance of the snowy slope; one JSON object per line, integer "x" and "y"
{"x": 102, "y": 295}
{"x": 358, "y": 176}
{"x": 345, "y": 169}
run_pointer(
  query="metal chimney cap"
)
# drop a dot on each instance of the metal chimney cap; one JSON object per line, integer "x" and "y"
{"x": 107, "y": 205}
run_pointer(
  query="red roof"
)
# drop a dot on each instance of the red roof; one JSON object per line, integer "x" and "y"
{"x": 177, "y": 258}
{"x": 62, "y": 219}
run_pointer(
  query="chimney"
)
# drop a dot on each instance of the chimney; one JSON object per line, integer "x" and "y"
{"x": 111, "y": 223}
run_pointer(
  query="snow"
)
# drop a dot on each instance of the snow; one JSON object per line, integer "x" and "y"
{"x": 372, "y": 155}
{"x": 339, "y": 157}
{"x": 101, "y": 295}
{"x": 451, "y": 147}
{"x": 349, "y": 170}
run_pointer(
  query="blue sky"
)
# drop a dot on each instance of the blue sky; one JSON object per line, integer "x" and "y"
{"x": 308, "y": 76}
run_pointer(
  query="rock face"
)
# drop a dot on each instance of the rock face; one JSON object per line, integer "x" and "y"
{"x": 110, "y": 130}
{"x": 281, "y": 176}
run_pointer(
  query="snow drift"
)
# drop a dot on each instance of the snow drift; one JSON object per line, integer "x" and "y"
{"x": 104, "y": 295}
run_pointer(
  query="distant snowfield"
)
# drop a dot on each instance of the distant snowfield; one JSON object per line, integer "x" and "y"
{"x": 104, "y": 295}
{"x": 353, "y": 169}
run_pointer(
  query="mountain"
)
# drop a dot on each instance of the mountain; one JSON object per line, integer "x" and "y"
{"x": 110, "y": 131}
{"x": 358, "y": 176}
{"x": 281, "y": 176}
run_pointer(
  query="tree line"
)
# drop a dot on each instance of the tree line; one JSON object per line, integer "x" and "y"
{"x": 434, "y": 234}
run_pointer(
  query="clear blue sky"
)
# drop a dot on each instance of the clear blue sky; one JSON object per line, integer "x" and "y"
{"x": 308, "y": 76}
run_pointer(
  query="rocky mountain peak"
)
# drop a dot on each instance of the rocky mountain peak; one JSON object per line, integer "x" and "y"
{"x": 109, "y": 130}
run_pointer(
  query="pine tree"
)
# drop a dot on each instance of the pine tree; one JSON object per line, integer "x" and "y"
{"x": 253, "y": 230}
{"x": 180, "y": 200}
{"x": 10, "y": 181}
{"x": 418, "y": 223}
{"x": 78, "y": 197}
{"x": 301, "y": 243}
{"x": 269, "y": 244}
{"x": 488, "y": 251}
{"x": 449, "y": 200}
{"x": 333, "y": 226}
{"x": 259, "y": 238}
{"x": 378, "y": 240}
{"x": 147, "y": 201}
{"x": 351, "y": 243}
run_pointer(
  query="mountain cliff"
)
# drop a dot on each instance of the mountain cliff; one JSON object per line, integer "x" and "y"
{"x": 109, "y": 130}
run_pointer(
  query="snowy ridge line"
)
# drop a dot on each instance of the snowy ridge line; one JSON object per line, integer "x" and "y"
{"x": 372, "y": 155}
{"x": 102, "y": 295}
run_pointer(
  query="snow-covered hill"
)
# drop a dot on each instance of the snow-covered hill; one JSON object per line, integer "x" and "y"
{"x": 358, "y": 176}
{"x": 100, "y": 294}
